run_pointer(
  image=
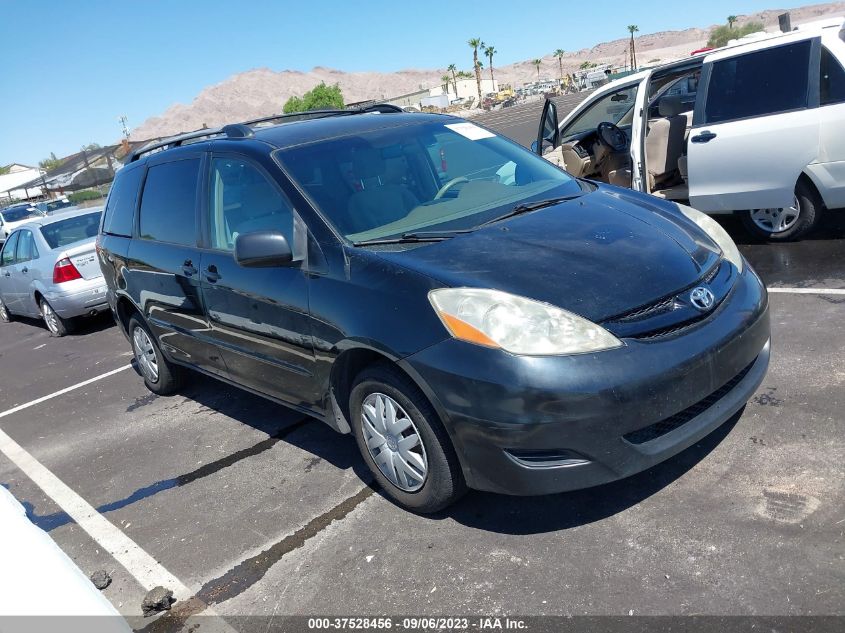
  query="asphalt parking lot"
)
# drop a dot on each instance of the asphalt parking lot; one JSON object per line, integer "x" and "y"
{"x": 255, "y": 510}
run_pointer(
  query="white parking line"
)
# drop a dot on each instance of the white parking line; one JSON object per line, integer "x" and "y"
{"x": 809, "y": 291}
{"x": 144, "y": 568}
{"x": 55, "y": 394}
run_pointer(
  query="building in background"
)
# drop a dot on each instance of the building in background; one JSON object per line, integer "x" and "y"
{"x": 18, "y": 183}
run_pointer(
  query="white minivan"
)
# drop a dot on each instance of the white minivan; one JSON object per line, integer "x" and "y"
{"x": 756, "y": 128}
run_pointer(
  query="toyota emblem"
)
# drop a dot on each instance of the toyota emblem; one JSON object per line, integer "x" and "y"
{"x": 702, "y": 298}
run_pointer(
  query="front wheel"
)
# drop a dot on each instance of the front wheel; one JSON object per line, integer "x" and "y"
{"x": 161, "y": 377}
{"x": 789, "y": 223}
{"x": 403, "y": 441}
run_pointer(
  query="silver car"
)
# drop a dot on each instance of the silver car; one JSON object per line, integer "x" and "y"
{"x": 49, "y": 268}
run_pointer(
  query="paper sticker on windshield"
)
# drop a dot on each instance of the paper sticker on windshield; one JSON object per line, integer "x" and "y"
{"x": 470, "y": 131}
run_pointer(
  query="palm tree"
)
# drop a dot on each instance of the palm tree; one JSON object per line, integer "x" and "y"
{"x": 731, "y": 20}
{"x": 445, "y": 79}
{"x": 537, "y": 63}
{"x": 453, "y": 69}
{"x": 559, "y": 53}
{"x": 633, "y": 28}
{"x": 489, "y": 51}
{"x": 474, "y": 44}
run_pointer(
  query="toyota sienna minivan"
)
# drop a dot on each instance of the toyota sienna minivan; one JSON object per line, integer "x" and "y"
{"x": 472, "y": 314}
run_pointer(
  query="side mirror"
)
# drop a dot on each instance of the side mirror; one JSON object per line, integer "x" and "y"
{"x": 262, "y": 249}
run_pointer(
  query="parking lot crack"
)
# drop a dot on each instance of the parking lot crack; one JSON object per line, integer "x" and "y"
{"x": 246, "y": 573}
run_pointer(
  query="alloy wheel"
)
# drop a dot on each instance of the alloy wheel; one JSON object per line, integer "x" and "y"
{"x": 50, "y": 317}
{"x": 394, "y": 442}
{"x": 145, "y": 354}
{"x": 777, "y": 220}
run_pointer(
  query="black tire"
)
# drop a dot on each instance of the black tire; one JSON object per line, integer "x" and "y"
{"x": 169, "y": 377}
{"x": 56, "y": 325}
{"x": 444, "y": 483}
{"x": 5, "y": 315}
{"x": 809, "y": 215}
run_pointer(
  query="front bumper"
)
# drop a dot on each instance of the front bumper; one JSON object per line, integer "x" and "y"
{"x": 539, "y": 425}
{"x": 78, "y": 297}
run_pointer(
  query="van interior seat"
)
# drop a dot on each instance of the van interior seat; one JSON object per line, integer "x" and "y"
{"x": 665, "y": 139}
{"x": 379, "y": 202}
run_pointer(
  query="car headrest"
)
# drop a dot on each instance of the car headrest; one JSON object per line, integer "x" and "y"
{"x": 367, "y": 162}
{"x": 670, "y": 106}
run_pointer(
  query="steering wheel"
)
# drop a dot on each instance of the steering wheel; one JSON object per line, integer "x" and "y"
{"x": 449, "y": 185}
{"x": 611, "y": 136}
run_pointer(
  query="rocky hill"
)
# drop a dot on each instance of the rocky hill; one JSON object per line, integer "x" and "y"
{"x": 262, "y": 91}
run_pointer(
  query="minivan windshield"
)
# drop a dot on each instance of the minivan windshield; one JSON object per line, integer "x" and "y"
{"x": 450, "y": 175}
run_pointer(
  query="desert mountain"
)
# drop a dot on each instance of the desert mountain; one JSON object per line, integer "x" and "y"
{"x": 262, "y": 91}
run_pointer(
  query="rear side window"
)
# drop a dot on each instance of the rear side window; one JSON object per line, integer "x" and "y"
{"x": 832, "y": 80}
{"x": 8, "y": 255}
{"x": 75, "y": 229}
{"x": 758, "y": 84}
{"x": 26, "y": 247}
{"x": 168, "y": 203}
{"x": 121, "y": 204}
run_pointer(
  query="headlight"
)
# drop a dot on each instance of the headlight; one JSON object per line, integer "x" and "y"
{"x": 516, "y": 324}
{"x": 716, "y": 233}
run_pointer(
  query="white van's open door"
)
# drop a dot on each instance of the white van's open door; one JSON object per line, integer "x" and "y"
{"x": 755, "y": 126}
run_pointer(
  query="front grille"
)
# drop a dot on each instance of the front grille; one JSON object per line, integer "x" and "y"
{"x": 659, "y": 429}
{"x": 668, "y": 331}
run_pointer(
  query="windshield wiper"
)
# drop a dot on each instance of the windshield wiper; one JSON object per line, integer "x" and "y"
{"x": 418, "y": 236}
{"x": 530, "y": 206}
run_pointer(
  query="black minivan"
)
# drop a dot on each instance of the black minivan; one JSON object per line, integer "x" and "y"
{"x": 474, "y": 315}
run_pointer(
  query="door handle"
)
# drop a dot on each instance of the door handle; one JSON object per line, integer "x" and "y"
{"x": 211, "y": 273}
{"x": 705, "y": 137}
{"x": 24, "y": 270}
{"x": 188, "y": 268}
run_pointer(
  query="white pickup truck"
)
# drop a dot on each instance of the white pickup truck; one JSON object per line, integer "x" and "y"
{"x": 757, "y": 128}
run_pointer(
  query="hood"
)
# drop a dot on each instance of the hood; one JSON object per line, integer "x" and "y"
{"x": 600, "y": 255}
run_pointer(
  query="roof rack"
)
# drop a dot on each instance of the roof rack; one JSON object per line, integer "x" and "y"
{"x": 244, "y": 129}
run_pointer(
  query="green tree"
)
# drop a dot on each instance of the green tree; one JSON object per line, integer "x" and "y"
{"x": 475, "y": 43}
{"x": 720, "y": 35}
{"x": 454, "y": 70}
{"x": 731, "y": 21}
{"x": 587, "y": 64}
{"x": 489, "y": 51}
{"x": 49, "y": 163}
{"x": 320, "y": 97}
{"x": 446, "y": 79}
{"x": 5, "y": 170}
{"x": 559, "y": 53}
{"x": 294, "y": 104}
{"x": 537, "y": 63}
{"x": 633, "y": 28}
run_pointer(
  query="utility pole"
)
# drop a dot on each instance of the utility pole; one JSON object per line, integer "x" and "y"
{"x": 123, "y": 123}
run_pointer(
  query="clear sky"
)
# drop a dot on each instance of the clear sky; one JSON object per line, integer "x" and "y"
{"x": 70, "y": 68}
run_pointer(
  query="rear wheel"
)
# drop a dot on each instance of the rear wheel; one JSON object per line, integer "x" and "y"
{"x": 789, "y": 223}
{"x": 403, "y": 441}
{"x": 5, "y": 315}
{"x": 160, "y": 376}
{"x": 55, "y": 324}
